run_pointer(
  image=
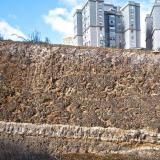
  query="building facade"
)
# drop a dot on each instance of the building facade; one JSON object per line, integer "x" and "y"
{"x": 131, "y": 22}
{"x": 149, "y": 29}
{"x": 68, "y": 40}
{"x": 78, "y": 35}
{"x": 153, "y": 27}
{"x": 113, "y": 26}
{"x": 106, "y": 25}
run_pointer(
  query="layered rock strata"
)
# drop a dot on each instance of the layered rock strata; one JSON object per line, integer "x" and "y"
{"x": 75, "y": 139}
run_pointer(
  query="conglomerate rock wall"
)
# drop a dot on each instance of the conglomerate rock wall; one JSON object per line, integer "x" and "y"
{"x": 82, "y": 86}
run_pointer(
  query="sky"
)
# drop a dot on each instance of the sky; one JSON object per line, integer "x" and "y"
{"x": 51, "y": 18}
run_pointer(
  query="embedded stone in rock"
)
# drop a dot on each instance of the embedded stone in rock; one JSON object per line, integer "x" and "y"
{"x": 1, "y": 77}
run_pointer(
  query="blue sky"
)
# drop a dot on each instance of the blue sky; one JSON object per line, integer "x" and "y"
{"x": 52, "y": 18}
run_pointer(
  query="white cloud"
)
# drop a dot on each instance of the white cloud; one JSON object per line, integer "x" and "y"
{"x": 10, "y": 32}
{"x": 60, "y": 20}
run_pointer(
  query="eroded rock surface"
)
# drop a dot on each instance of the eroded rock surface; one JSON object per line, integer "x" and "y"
{"x": 79, "y": 86}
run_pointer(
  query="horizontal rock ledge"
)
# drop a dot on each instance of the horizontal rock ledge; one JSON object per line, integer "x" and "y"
{"x": 77, "y": 132}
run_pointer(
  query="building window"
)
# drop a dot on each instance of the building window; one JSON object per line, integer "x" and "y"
{"x": 132, "y": 8}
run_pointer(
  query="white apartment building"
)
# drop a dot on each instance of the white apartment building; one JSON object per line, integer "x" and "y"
{"x": 153, "y": 27}
{"x": 105, "y": 25}
{"x": 68, "y": 40}
{"x": 131, "y": 22}
{"x": 149, "y": 30}
{"x": 93, "y": 32}
{"x": 78, "y": 35}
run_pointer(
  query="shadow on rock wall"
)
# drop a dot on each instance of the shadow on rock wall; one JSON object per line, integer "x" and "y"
{"x": 17, "y": 151}
{"x": 12, "y": 151}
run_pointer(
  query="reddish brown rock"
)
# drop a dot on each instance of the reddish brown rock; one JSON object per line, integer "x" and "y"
{"x": 79, "y": 86}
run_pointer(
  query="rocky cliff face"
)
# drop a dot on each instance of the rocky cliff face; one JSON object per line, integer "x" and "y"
{"x": 79, "y": 86}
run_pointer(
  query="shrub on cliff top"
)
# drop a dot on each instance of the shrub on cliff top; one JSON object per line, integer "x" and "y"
{"x": 35, "y": 37}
